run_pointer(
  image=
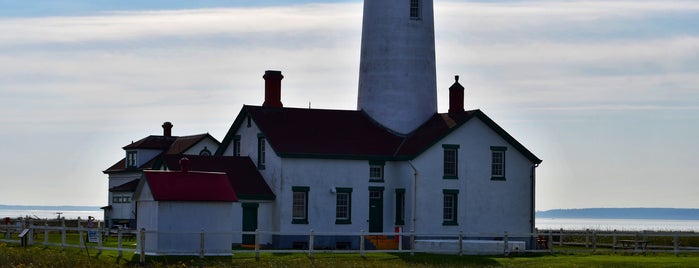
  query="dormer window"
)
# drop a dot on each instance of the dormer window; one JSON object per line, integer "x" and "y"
{"x": 131, "y": 159}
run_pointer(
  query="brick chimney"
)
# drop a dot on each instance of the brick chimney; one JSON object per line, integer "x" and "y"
{"x": 167, "y": 129}
{"x": 184, "y": 164}
{"x": 273, "y": 89}
{"x": 456, "y": 97}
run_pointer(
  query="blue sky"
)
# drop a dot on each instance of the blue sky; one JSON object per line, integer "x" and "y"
{"x": 605, "y": 92}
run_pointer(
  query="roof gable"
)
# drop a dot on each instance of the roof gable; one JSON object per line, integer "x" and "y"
{"x": 241, "y": 172}
{"x": 318, "y": 133}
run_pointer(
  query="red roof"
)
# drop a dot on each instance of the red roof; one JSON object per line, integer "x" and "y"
{"x": 242, "y": 174}
{"x": 189, "y": 186}
{"x": 169, "y": 145}
{"x": 323, "y": 132}
{"x": 318, "y": 133}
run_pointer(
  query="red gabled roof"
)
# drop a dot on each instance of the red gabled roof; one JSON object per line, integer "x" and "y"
{"x": 242, "y": 173}
{"x": 152, "y": 142}
{"x": 299, "y": 131}
{"x": 319, "y": 133}
{"x": 183, "y": 143}
{"x": 189, "y": 186}
{"x": 170, "y": 145}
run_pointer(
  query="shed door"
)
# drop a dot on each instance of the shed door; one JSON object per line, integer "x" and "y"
{"x": 249, "y": 222}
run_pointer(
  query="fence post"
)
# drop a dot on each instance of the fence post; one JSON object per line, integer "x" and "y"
{"x": 560, "y": 238}
{"x": 461, "y": 245}
{"x": 257, "y": 244}
{"x": 142, "y": 239}
{"x": 614, "y": 241}
{"x": 82, "y": 239}
{"x": 505, "y": 241}
{"x": 46, "y": 233}
{"x": 550, "y": 242}
{"x": 201, "y": 244}
{"x": 119, "y": 235}
{"x": 635, "y": 243}
{"x": 587, "y": 238}
{"x": 594, "y": 240}
{"x": 412, "y": 242}
{"x": 400, "y": 239}
{"x": 310, "y": 244}
{"x": 31, "y": 232}
{"x": 676, "y": 243}
{"x": 63, "y": 234}
{"x": 361, "y": 243}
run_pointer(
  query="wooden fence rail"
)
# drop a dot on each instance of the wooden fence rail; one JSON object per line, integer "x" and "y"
{"x": 544, "y": 241}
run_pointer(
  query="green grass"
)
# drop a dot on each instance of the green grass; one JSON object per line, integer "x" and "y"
{"x": 37, "y": 256}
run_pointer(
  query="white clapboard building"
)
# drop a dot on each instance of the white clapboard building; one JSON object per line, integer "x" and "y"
{"x": 394, "y": 162}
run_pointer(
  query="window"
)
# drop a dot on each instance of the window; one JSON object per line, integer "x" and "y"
{"x": 376, "y": 171}
{"x": 400, "y": 206}
{"x": 451, "y": 200}
{"x": 343, "y": 206}
{"x": 451, "y": 158}
{"x": 261, "y": 147}
{"x": 121, "y": 199}
{"x": 131, "y": 159}
{"x": 414, "y": 9}
{"x": 205, "y": 152}
{"x": 497, "y": 166}
{"x": 299, "y": 205}
{"x": 236, "y": 145}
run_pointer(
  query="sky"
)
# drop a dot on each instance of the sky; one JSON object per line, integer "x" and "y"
{"x": 605, "y": 92}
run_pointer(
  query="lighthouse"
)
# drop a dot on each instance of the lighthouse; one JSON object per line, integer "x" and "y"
{"x": 397, "y": 77}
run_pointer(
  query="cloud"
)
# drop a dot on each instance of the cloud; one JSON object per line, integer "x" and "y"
{"x": 530, "y": 64}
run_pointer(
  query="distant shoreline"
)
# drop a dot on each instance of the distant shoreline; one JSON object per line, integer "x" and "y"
{"x": 57, "y": 208}
{"x": 622, "y": 213}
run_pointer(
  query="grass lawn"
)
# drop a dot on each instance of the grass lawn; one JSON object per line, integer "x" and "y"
{"x": 38, "y": 256}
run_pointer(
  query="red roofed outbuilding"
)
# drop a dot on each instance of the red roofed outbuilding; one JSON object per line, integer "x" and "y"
{"x": 174, "y": 207}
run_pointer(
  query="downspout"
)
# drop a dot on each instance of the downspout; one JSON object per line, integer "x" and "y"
{"x": 412, "y": 227}
{"x": 533, "y": 204}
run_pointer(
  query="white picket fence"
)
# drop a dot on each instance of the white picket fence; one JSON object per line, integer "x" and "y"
{"x": 548, "y": 241}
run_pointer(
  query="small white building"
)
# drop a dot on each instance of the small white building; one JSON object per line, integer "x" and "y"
{"x": 176, "y": 207}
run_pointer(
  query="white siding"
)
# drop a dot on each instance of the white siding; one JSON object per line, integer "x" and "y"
{"x": 207, "y": 143}
{"x": 484, "y": 205}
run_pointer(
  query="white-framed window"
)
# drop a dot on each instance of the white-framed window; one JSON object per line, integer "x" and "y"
{"x": 121, "y": 199}
{"x": 376, "y": 171}
{"x": 450, "y": 207}
{"x": 414, "y": 9}
{"x": 451, "y": 160}
{"x": 131, "y": 159}
{"x": 236, "y": 145}
{"x": 400, "y": 206}
{"x": 497, "y": 166}
{"x": 343, "y": 206}
{"x": 261, "y": 151}
{"x": 299, "y": 205}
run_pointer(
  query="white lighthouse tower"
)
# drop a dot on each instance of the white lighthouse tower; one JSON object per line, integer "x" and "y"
{"x": 397, "y": 77}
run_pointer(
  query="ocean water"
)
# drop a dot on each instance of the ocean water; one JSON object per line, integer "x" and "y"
{"x": 541, "y": 223}
{"x": 617, "y": 224}
{"x": 51, "y": 214}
